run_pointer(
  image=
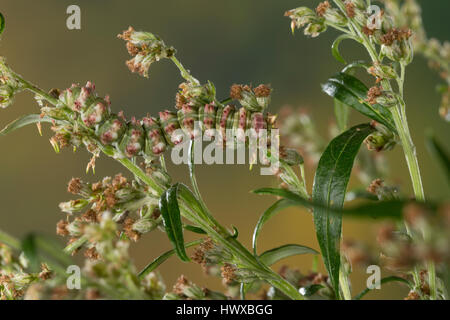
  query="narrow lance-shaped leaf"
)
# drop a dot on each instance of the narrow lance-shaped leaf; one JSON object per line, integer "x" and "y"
{"x": 269, "y": 213}
{"x": 376, "y": 210}
{"x": 22, "y": 122}
{"x": 170, "y": 212}
{"x": 352, "y": 92}
{"x": 439, "y": 154}
{"x": 341, "y": 112}
{"x": 330, "y": 184}
{"x": 383, "y": 281}
{"x": 274, "y": 255}
{"x": 2, "y": 23}
{"x": 30, "y": 251}
{"x": 162, "y": 258}
{"x": 335, "y": 47}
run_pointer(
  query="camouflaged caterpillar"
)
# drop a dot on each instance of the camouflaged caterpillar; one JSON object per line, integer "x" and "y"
{"x": 151, "y": 136}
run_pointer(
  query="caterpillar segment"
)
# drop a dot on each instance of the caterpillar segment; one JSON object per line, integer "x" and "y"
{"x": 152, "y": 136}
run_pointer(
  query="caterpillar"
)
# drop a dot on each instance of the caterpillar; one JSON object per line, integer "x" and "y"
{"x": 152, "y": 136}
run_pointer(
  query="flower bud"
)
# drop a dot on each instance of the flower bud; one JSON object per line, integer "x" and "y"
{"x": 144, "y": 225}
{"x": 388, "y": 99}
{"x": 73, "y": 206}
{"x": 331, "y": 15}
{"x": 184, "y": 287}
{"x": 291, "y": 157}
{"x": 6, "y": 95}
{"x": 382, "y": 71}
{"x": 383, "y": 192}
{"x": 301, "y": 16}
{"x": 75, "y": 228}
{"x": 145, "y": 48}
{"x": 379, "y": 142}
{"x": 315, "y": 29}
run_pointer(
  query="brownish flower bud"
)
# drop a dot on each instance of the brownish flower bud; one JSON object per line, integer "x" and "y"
{"x": 92, "y": 254}
{"x": 61, "y": 228}
{"x": 74, "y": 186}
{"x": 262, "y": 91}
{"x": 236, "y": 91}
{"x": 228, "y": 273}
{"x": 412, "y": 295}
{"x": 374, "y": 186}
{"x": 322, "y": 8}
{"x": 373, "y": 94}
{"x": 350, "y": 9}
{"x": 45, "y": 273}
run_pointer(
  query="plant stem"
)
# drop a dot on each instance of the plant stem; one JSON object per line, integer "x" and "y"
{"x": 184, "y": 73}
{"x": 401, "y": 123}
{"x": 345, "y": 286}
{"x": 211, "y": 226}
{"x": 235, "y": 246}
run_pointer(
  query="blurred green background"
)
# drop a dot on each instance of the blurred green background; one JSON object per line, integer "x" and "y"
{"x": 227, "y": 42}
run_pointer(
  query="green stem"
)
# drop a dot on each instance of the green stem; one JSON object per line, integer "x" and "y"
{"x": 220, "y": 235}
{"x": 345, "y": 286}
{"x": 399, "y": 115}
{"x": 211, "y": 226}
{"x": 184, "y": 73}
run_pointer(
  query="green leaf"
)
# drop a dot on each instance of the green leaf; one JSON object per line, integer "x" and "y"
{"x": 42, "y": 249}
{"x": 330, "y": 184}
{"x": 383, "y": 281}
{"x": 311, "y": 289}
{"x": 194, "y": 229}
{"x": 341, "y": 112}
{"x": 355, "y": 65}
{"x": 170, "y": 212}
{"x": 269, "y": 213}
{"x": 335, "y": 47}
{"x": 438, "y": 153}
{"x": 30, "y": 251}
{"x": 2, "y": 23}
{"x": 162, "y": 258}
{"x": 353, "y": 93}
{"x": 22, "y": 122}
{"x": 377, "y": 210}
{"x": 272, "y": 256}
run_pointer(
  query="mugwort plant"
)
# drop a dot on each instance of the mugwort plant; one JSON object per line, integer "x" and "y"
{"x": 106, "y": 216}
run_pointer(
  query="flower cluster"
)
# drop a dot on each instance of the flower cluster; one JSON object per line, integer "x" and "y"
{"x": 408, "y": 13}
{"x": 14, "y": 279}
{"x": 313, "y": 285}
{"x": 9, "y": 86}
{"x": 117, "y": 196}
{"x": 145, "y": 48}
{"x": 428, "y": 241}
